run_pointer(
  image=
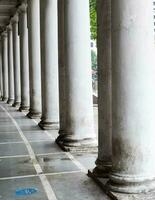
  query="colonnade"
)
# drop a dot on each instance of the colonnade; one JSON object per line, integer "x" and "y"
{"x": 46, "y": 70}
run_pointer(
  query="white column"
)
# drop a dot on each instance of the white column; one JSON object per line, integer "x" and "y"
{"x": 5, "y": 65}
{"x": 104, "y": 161}
{"x": 133, "y": 97}
{"x": 24, "y": 62}
{"x": 10, "y": 65}
{"x": 1, "y": 77}
{"x": 61, "y": 56}
{"x": 34, "y": 58}
{"x": 16, "y": 56}
{"x": 49, "y": 64}
{"x": 79, "y": 103}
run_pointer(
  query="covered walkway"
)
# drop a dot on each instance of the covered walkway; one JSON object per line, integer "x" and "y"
{"x": 45, "y": 72}
{"x": 30, "y": 158}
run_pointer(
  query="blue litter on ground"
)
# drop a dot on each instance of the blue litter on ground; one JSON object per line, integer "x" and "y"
{"x": 26, "y": 191}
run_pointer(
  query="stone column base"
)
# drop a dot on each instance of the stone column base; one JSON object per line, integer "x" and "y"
{"x": 10, "y": 101}
{"x": 48, "y": 125}
{"x": 5, "y": 99}
{"x": 86, "y": 145}
{"x": 16, "y": 104}
{"x": 33, "y": 115}
{"x": 24, "y": 108}
{"x": 102, "y": 169}
{"x": 103, "y": 184}
{"x": 130, "y": 184}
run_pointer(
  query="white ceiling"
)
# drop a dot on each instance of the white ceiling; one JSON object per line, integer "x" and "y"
{"x": 7, "y": 9}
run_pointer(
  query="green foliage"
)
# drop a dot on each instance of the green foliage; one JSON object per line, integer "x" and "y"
{"x": 94, "y": 60}
{"x": 93, "y": 19}
{"x": 94, "y": 65}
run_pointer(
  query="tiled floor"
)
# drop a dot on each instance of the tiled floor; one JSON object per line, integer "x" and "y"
{"x": 29, "y": 158}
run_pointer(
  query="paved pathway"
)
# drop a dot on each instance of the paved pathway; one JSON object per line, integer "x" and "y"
{"x": 29, "y": 158}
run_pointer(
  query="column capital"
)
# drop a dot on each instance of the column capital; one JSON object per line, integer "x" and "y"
{"x": 4, "y": 34}
{"x": 23, "y": 7}
{"x": 15, "y": 18}
{"x": 9, "y": 27}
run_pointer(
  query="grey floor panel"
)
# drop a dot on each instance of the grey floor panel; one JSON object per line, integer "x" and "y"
{"x": 7, "y": 123}
{"x": 86, "y": 159}
{"x": 20, "y": 118}
{"x": 8, "y": 189}
{"x": 29, "y": 127}
{"x": 36, "y": 135}
{"x": 10, "y": 137}
{"x": 10, "y": 167}
{"x": 13, "y": 149}
{"x": 5, "y": 120}
{"x": 53, "y": 133}
{"x": 8, "y": 129}
{"x": 56, "y": 163}
{"x": 45, "y": 147}
{"x": 75, "y": 186}
{"x": 25, "y": 122}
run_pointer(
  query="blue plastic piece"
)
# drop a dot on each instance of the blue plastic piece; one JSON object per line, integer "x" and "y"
{"x": 26, "y": 191}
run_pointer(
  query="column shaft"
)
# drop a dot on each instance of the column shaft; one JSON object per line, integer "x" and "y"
{"x": 1, "y": 76}
{"x": 61, "y": 56}
{"x": 104, "y": 88}
{"x": 79, "y": 104}
{"x": 5, "y": 65}
{"x": 24, "y": 63}
{"x": 16, "y": 56}
{"x": 133, "y": 97}
{"x": 10, "y": 65}
{"x": 34, "y": 58}
{"x": 49, "y": 64}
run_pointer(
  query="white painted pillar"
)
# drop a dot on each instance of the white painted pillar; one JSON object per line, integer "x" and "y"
{"x": 61, "y": 56}
{"x": 34, "y": 58}
{"x": 79, "y": 103}
{"x": 49, "y": 64}
{"x": 24, "y": 62}
{"x": 1, "y": 76}
{"x": 104, "y": 161}
{"x": 133, "y": 97}
{"x": 10, "y": 66}
{"x": 5, "y": 65}
{"x": 16, "y": 56}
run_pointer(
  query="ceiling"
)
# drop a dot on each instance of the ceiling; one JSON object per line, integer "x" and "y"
{"x": 7, "y": 10}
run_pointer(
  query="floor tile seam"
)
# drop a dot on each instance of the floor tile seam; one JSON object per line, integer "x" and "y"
{"x": 37, "y": 175}
{"x": 21, "y": 142}
{"x": 14, "y": 156}
{"x": 18, "y": 177}
{"x": 27, "y": 155}
{"x": 6, "y": 143}
{"x": 48, "y": 154}
{"x": 8, "y": 125}
{"x": 46, "y": 185}
{"x": 11, "y": 132}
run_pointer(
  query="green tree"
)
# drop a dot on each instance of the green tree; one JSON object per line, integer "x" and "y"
{"x": 94, "y": 60}
{"x": 93, "y": 19}
{"x": 94, "y": 65}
